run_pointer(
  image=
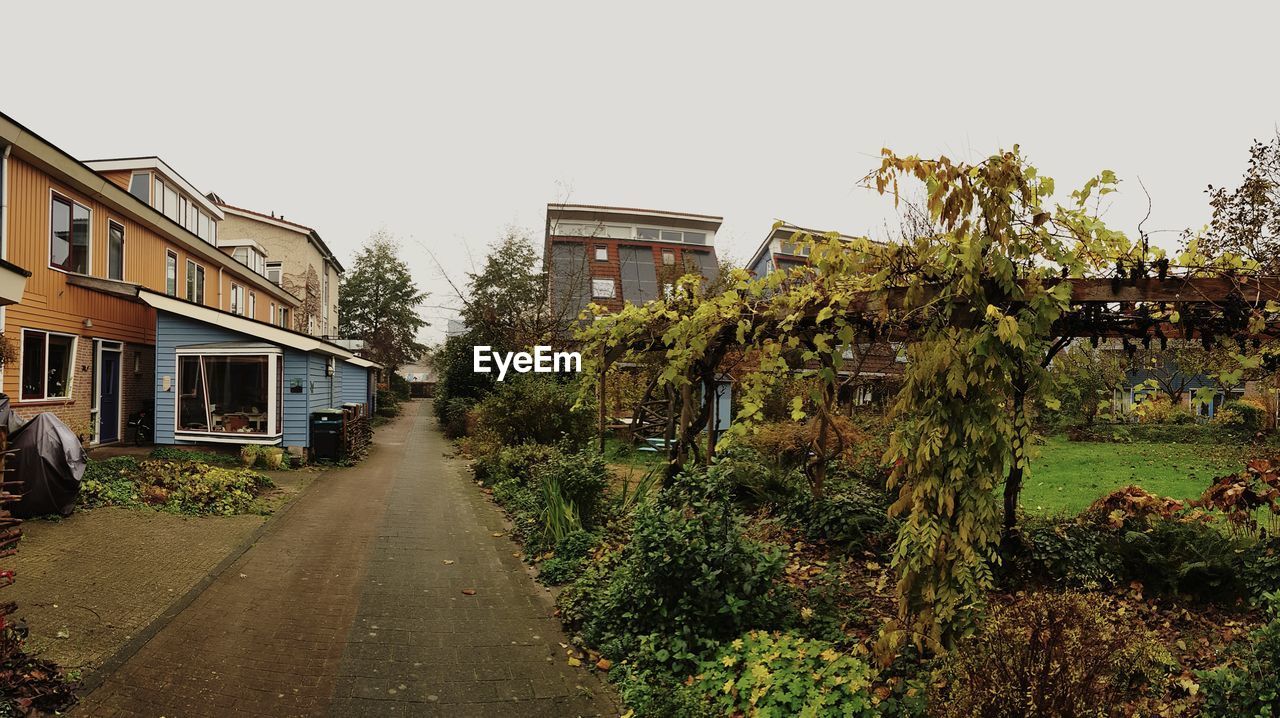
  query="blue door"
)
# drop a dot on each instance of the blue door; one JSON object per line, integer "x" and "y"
{"x": 109, "y": 397}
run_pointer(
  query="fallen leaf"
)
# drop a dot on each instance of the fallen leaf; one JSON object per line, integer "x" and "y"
{"x": 468, "y": 592}
{"x": 447, "y": 562}
{"x": 574, "y": 662}
{"x": 604, "y": 664}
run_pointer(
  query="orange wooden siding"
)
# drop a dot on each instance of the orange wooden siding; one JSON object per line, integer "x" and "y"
{"x": 51, "y": 303}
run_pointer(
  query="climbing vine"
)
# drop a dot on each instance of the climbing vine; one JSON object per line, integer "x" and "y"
{"x": 980, "y": 298}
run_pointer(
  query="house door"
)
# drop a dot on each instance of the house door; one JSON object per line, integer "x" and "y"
{"x": 108, "y": 396}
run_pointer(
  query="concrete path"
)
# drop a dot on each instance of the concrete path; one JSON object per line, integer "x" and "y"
{"x": 346, "y": 607}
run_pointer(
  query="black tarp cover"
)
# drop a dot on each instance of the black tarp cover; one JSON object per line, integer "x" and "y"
{"x": 49, "y": 463}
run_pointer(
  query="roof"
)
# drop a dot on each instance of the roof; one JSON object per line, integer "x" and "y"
{"x": 276, "y": 336}
{"x": 784, "y": 231}
{"x": 155, "y": 163}
{"x": 282, "y": 222}
{"x": 56, "y": 162}
{"x": 604, "y": 213}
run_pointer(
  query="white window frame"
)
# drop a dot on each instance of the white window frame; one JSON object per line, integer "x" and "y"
{"x": 597, "y": 288}
{"x": 49, "y": 239}
{"x": 71, "y": 366}
{"x": 274, "y": 403}
{"x": 602, "y": 249}
{"x": 191, "y": 263}
{"x": 237, "y": 299}
{"x": 124, "y": 247}
{"x": 279, "y": 267}
{"x": 170, "y": 253}
{"x": 253, "y": 305}
{"x": 150, "y": 184}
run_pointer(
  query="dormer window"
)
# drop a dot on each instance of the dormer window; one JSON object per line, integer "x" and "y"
{"x": 251, "y": 258}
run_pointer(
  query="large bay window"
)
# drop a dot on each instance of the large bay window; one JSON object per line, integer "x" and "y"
{"x": 69, "y": 238}
{"x": 47, "y": 363}
{"x": 227, "y": 392}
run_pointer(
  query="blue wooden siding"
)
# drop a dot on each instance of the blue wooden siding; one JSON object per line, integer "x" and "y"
{"x": 355, "y": 383}
{"x": 308, "y": 371}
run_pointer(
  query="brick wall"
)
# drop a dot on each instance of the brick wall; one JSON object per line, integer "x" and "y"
{"x": 137, "y": 390}
{"x": 612, "y": 268}
{"x": 74, "y": 412}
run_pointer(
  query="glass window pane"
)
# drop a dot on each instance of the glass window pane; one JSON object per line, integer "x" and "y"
{"x": 199, "y": 285}
{"x": 237, "y": 390}
{"x": 115, "y": 251}
{"x": 60, "y": 239}
{"x": 646, "y": 233}
{"x": 140, "y": 185}
{"x": 171, "y": 275}
{"x": 33, "y": 365}
{"x": 61, "y": 350}
{"x": 191, "y": 281}
{"x": 670, "y": 236}
{"x": 171, "y": 203}
{"x": 191, "y": 395}
{"x": 695, "y": 237}
{"x": 157, "y": 195}
{"x": 79, "y": 260}
{"x": 202, "y": 230}
{"x": 182, "y": 211}
{"x": 603, "y": 289}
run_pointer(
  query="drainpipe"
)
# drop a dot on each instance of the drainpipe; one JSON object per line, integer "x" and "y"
{"x": 4, "y": 233}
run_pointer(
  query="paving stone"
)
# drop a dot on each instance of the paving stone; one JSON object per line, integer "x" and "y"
{"x": 343, "y": 607}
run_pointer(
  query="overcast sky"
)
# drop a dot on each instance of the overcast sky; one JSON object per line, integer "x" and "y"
{"x": 445, "y": 123}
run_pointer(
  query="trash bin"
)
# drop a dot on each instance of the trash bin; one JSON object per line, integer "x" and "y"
{"x": 326, "y": 435}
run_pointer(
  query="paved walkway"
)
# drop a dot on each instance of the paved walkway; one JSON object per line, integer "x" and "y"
{"x": 346, "y": 607}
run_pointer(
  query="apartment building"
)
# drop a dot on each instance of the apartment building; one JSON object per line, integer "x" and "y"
{"x": 120, "y": 300}
{"x": 292, "y": 255}
{"x": 780, "y": 251}
{"x": 614, "y": 255}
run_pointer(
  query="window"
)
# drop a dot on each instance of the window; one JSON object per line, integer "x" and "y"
{"x": 603, "y": 289}
{"x": 157, "y": 195}
{"x": 253, "y": 305}
{"x": 668, "y": 258}
{"x": 182, "y": 211}
{"x": 202, "y": 229}
{"x": 171, "y": 274}
{"x": 284, "y": 317}
{"x": 69, "y": 239}
{"x": 325, "y": 298}
{"x": 646, "y": 233}
{"x": 140, "y": 185}
{"x": 233, "y": 393}
{"x": 669, "y": 236}
{"x": 237, "y": 299}
{"x": 115, "y": 251}
{"x": 47, "y": 364}
{"x": 171, "y": 203}
{"x": 695, "y": 237}
{"x": 274, "y": 272}
{"x": 602, "y": 253}
{"x": 195, "y": 282}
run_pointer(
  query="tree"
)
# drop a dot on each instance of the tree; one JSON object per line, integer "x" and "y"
{"x": 1084, "y": 377}
{"x": 1246, "y": 220}
{"x": 378, "y": 303}
{"x": 506, "y": 305}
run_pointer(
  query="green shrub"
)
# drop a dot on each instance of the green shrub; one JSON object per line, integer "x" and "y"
{"x": 570, "y": 559}
{"x": 687, "y": 580}
{"x": 174, "y": 453}
{"x": 1074, "y": 554}
{"x": 783, "y": 674}
{"x": 517, "y": 463}
{"x": 580, "y": 478}
{"x": 1050, "y": 656}
{"x": 399, "y": 386}
{"x": 1241, "y": 415}
{"x": 1247, "y": 684}
{"x": 856, "y": 517}
{"x": 177, "y": 486}
{"x": 1260, "y": 573}
{"x": 1178, "y": 556}
{"x": 452, "y": 414}
{"x": 534, "y": 408}
{"x": 756, "y": 483}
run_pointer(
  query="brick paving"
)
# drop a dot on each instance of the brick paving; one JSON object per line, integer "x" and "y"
{"x": 89, "y": 583}
{"x": 345, "y": 607}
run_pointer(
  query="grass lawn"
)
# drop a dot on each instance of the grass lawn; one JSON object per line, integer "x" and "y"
{"x": 1067, "y": 476}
